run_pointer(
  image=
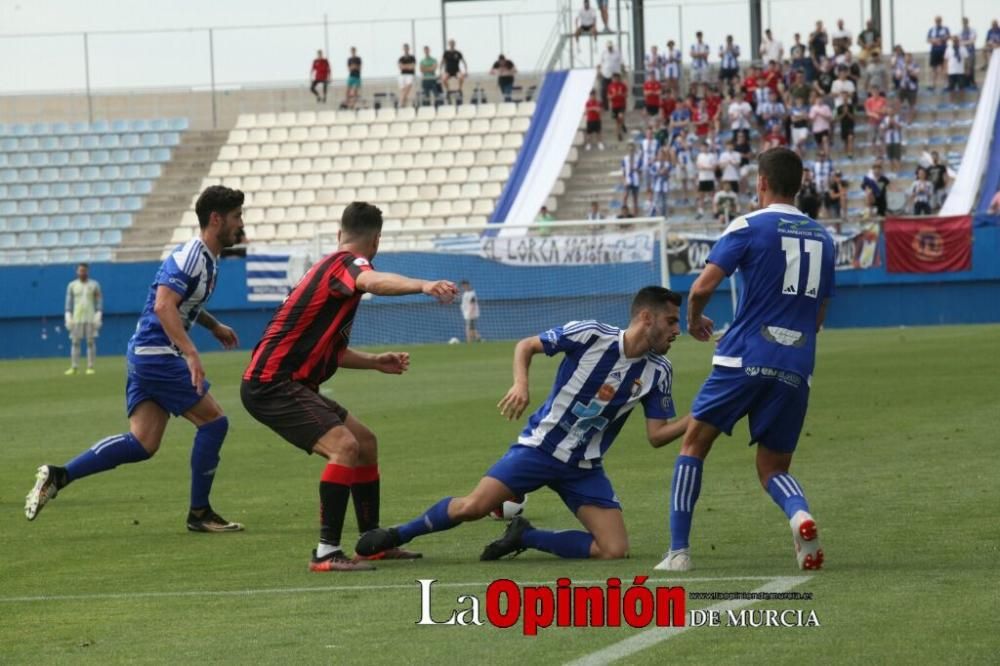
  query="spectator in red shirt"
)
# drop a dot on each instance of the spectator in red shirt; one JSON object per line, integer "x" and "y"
{"x": 320, "y": 75}
{"x": 651, "y": 92}
{"x": 774, "y": 138}
{"x": 750, "y": 85}
{"x": 700, "y": 119}
{"x": 668, "y": 103}
{"x": 713, "y": 104}
{"x": 593, "y": 113}
{"x": 773, "y": 78}
{"x": 618, "y": 97}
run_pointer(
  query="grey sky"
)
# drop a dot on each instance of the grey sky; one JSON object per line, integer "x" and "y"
{"x": 377, "y": 27}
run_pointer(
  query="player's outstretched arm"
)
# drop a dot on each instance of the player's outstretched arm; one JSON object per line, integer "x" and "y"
{"x": 167, "y": 310}
{"x": 391, "y": 284}
{"x": 513, "y": 403}
{"x": 661, "y": 432}
{"x": 391, "y": 363}
{"x": 700, "y": 326}
{"x": 222, "y": 333}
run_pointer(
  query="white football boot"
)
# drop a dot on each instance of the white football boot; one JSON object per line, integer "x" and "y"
{"x": 676, "y": 560}
{"x": 805, "y": 535}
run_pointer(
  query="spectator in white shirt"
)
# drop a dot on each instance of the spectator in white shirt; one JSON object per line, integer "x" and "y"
{"x": 771, "y": 48}
{"x": 699, "y": 60}
{"x": 955, "y": 58}
{"x": 740, "y": 114}
{"x": 705, "y": 163}
{"x": 611, "y": 64}
{"x": 729, "y": 162}
{"x": 586, "y": 22}
{"x": 594, "y": 214}
{"x": 840, "y": 86}
{"x": 841, "y": 38}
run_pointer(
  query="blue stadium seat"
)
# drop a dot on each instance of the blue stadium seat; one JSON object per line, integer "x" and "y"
{"x": 79, "y": 158}
{"x": 3, "y": 159}
{"x": 41, "y": 128}
{"x": 90, "y": 141}
{"x": 110, "y": 141}
{"x": 18, "y": 223}
{"x": 38, "y": 159}
{"x": 18, "y": 191}
{"x": 120, "y": 156}
{"x": 140, "y": 155}
{"x": 101, "y": 254}
{"x": 131, "y": 141}
{"x": 131, "y": 204}
{"x": 48, "y": 174}
{"x": 69, "y": 173}
{"x": 178, "y": 124}
{"x": 59, "y": 222}
{"x": 38, "y": 223}
{"x": 59, "y": 190}
{"x": 80, "y": 222}
{"x": 18, "y": 159}
{"x": 151, "y": 170}
{"x": 101, "y": 221}
{"x": 59, "y": 255}
{"x": 78, "y": 254}
{"x": 3, "y": 192}
{"x": 100, "y": 127}
{"x": 29, "y": 175}
{"x": 8, "y": 241}
{"x": 158, "y": 124}
{"x": 37, "y": 255}
{"x": 48, "y": 238}
{"x": 111, "y": 204}
{"x": 119, "y": 126}
{"x": 121, "y": 220}
{"x": 20, "y": 129}
{"x": 121, "y": 188}
{"x": 99, "y": 157}
{"x": 131, "y": 171}
{"x": 139, "y": 126}
{"x": 60, "y": 128}
{"x": 49, "y": 143}
{"x": 112, "y": 237}
{"x": 90, "y": 172}
{"x": 27, "y": 207}
{"x": 150, "y": 140}
{"x": 49, "y": 206}
{"x": 111, "y": 172}
{"x": 161, "y": 155}
{"x": 38, "y": 190}
{"x": 69, "y": 238}
{"x": 8, "y": 175}
{"x": 90, "y": 237}
{"x": 142, "y": 186}
{"x": 90, "y": 205}
{"x": 79, "y": 127}
{"x": 8, "y": 207}
{"x": 8, "y": 144}
{"x": 170, "y": 139}
{"x": 100, "y": 189}
{"x": 27, "y": 239}
{"x": 28, "y": 143}
{"x": 69, "y": 205}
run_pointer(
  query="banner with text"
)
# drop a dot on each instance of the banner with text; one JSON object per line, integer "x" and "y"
{"x": 579, "y": 250}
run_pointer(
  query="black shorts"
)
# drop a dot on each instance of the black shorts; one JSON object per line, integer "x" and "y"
{"x": 908, "y": 96}
{"x": 937, "y": 58}
{"x": 588, "y": 28}
{"x": 618, "y": 112}
{"x": 894, "y": 151}
{"x": 293, "y": 410}
{"x": 734, "y": 184}
{"x": 956, "y": 82}
{"x": 819, "y": 136}
{"x": 728, "y": 73}
{"x": 846, "y": 128}
{"x": 706, "y": 185}
{"x": 593, "y": 127}
{"x": 652, "y": 110}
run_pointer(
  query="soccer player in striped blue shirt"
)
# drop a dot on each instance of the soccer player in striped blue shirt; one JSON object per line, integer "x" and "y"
{"x": 763, "y": 364}
{"x": 605, "y": 372}
{"x": 165, "y": 375}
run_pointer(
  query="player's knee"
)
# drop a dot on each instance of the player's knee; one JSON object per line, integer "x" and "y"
{"x": 612, "y": 550}
{"x": 367, "y": 448}
{"x": 148, "y": 441}
{"x": 468, "y": 508}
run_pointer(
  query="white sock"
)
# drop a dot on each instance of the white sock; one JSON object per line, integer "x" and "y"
{"x": 74, "y": 353}
{"x": 324, "y": 549}
{"x": 91, "y": 353}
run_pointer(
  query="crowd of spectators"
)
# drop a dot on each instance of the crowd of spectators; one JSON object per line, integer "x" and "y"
{"x": 811, "y": 98}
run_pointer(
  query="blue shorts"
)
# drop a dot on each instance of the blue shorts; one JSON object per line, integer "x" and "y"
{"x": 775, "y": 400}
{"x": 525, "y": 469}
{"x": 353, "y": 81}
{"x": 164, "y": 379}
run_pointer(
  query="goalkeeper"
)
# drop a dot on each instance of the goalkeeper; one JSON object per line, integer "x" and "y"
{"x": 83, "y": 317}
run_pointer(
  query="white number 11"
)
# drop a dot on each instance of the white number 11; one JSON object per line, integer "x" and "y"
{"x": 793, "y": 269}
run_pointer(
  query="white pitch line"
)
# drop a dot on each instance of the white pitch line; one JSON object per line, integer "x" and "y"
{"x": 651, "y": 637}
{"x": 333, "y": 588}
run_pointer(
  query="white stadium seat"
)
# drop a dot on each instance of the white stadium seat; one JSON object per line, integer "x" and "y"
{"x": 261, "y": 232}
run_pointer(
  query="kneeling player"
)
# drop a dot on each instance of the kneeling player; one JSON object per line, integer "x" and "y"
{"x": 605, "y": 373}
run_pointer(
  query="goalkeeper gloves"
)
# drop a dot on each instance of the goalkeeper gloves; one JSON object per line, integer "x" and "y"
{"x": 98, "y": 319}
{"x": 68, "y": 320}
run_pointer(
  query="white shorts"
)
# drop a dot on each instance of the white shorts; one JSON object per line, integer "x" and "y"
{"x": 699, "y": 74}
{"x": 800, "y": 135}
{"x": 405, "y": 80}
{"x": 84, "y": 329}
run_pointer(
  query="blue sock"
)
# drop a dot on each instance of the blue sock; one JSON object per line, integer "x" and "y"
{"x": 787, "y": 493}
{"x": 205, "y": 459}
{"x": 435, "y": 519}
{"x": 106, "y": 454}
{"x": 573, "y": 544}
{"x": 684, "y": 493}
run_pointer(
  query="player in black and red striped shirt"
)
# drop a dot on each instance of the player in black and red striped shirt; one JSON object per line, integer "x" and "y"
{"x": 305, "y": 343}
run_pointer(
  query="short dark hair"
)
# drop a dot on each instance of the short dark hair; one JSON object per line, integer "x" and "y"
{"x": 83, "y": 264}
{"x": 653, "y": 297}
{"x": 783, "y": 169}
{"x": 361, "y": 219}
{"x": 217, "y": 199}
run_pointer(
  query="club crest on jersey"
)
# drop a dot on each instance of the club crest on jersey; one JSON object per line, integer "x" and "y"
{"x": 606, "y": 393}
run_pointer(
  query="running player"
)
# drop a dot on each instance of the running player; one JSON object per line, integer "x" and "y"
{"x": 165, "y": 375}
{"x": 606, "y": 371}
{"x": 83, "y": 317}
{"x": 763, "y": 365}
{"x": 305, "y": 343}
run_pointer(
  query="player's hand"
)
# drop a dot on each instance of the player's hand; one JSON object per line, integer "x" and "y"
{"x": 443, "y": 290}
{"x": 68, "y": 321}
{"x": 392, "y": 363}
{"x": 197, "y": 372}
{"x": 226, "y": 336}
{"x": 701, "y": 329}
{"x": 512, "y": 405}
{"x": 98, "y": 319}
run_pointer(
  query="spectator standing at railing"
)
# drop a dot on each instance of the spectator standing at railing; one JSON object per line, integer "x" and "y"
{"x": 595, "y": 214}
{"x": 968, "y": 38}
{"x": 992, "y": 42}
{"x": 407, "y": 73}
{"x": 701, "y": 120}
{"x": 920, "y": 193}
{"x": 454, "y": 67}
{"x": 320, "y": 75}
{"x": 892, "y": 130}
{"x": 955, "y": 59}
{"x": 835, "y": 198}
{"x": 632, "y": 169}
{"x": 822, "y": 171}
{"x": 655, "y": 63}
{"x": 729, "y": 61}
{"x": 937, "y": 173}
{"x": 672, "y": 67}
{"x": 909, "y": 85}
{"x": 609, "y": 67}
{"x": 586, "y": 23}
{"x": 713, "y": 104}
{"x": 841, "y": 38}
{"x": 353, "y": 78}
{"x": 875, "y": 186}
{"x": 618, "y": 97}
{"x": 706, "y": 163}
{"x": 725, "y": 203}
{"x": 428, "y": 75}
{"x": 771, "y": 48}
{"x": 818, "y": 39}
{"x": 870, "y": 40}
{"x": 773, "y": 78}
{"x": 652, "y": 90}
{"x": 682, "y": 157}
{"x": 699, "y": 59}
{"x": 937, "y": 37}
{"x": 504, "y": 70}
{"x": 593, "y": 113}
{"x": 825, "y": 77}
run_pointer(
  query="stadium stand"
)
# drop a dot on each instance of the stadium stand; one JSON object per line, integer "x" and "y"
{"x": 423, "y": 166}
{"x": 68, "y": 191}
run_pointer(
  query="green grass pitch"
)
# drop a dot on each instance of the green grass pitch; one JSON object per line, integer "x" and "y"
{"x": 899, "y": 458}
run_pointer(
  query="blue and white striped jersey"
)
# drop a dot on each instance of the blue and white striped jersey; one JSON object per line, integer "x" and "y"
{"x": 594, "y": 391}
{"x": 190, "y": 270}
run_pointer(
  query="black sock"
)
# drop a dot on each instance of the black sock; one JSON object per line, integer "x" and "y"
{"x": 334, "y": 491}
{"x": 365, "y": 493}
